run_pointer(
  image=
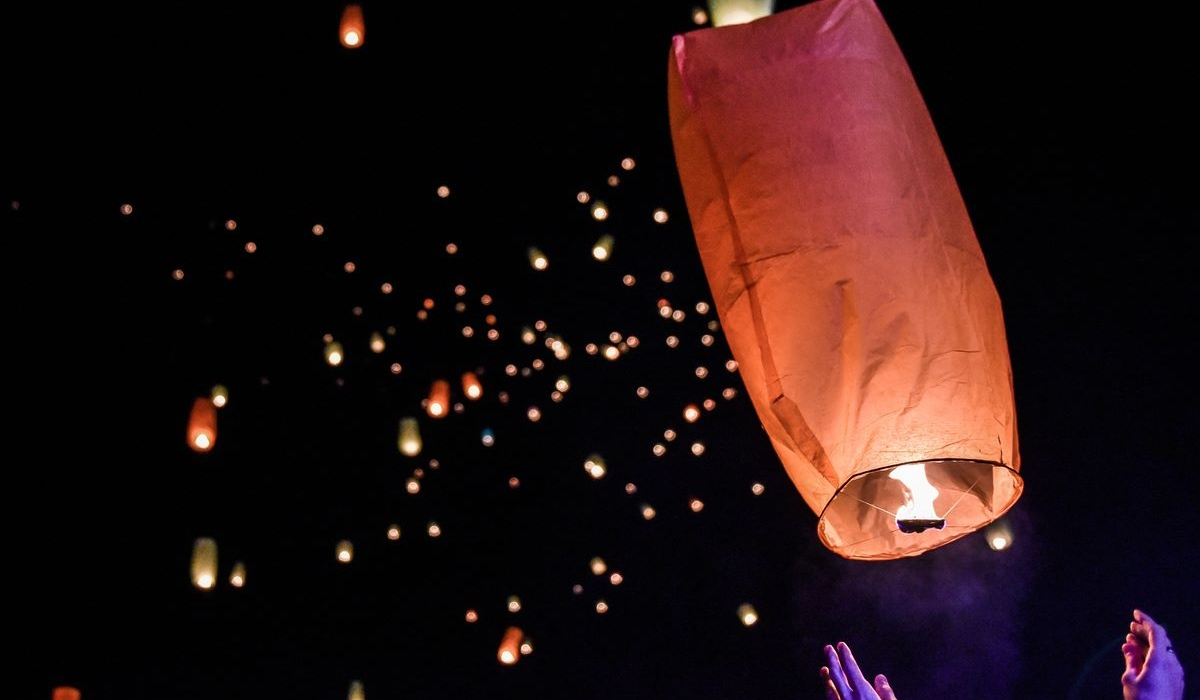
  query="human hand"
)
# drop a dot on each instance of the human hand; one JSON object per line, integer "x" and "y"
{"x": 1152, "y": 670}
{"x": 844, "y": 681}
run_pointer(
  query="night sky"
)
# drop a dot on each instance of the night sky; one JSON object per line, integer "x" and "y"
{"x": 282, "y": 191}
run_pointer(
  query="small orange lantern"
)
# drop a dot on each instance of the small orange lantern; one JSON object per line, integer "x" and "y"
{"x": 438, "y": 404}
{"x": 471, "y": 385}
{"x": 66, "y": 692}
{"x": 202, "y": 425}
{"x": 352, "y": 31}
{"x": 510, "y": 646}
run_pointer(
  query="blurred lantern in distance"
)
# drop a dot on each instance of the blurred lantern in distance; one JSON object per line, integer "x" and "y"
{"x": 747, "y": 614}
{"x": 237, "y": 577}
{"x": 472, "y": 388}
{"x": 202, "y": 425}
{"x": 66, "y": 692}
{"x": 409, "y": 440}
{"x": 847, "y": 276}
{"x": 726, "y": 12}
{"x": 510, "y": 646}
{"x": 352, "y": 31}
{"x": 357, "y": 691}
{"x": 204, "y": 563}
{"x": 438, "y": 403}
{"x": 334, "y": 354}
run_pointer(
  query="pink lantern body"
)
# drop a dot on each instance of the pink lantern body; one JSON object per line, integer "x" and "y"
{"x": 847, "y": 276}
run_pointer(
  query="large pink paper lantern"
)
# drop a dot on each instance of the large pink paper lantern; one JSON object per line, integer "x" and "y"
{"x": 847, "y": 276}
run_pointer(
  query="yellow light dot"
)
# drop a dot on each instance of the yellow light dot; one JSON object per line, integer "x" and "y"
{"x": 598, "y": 566}
{"x": 393, "y": 532}
{"x": 471, "y": 616}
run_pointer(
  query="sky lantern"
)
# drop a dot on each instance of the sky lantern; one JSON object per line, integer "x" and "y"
{"x": 352, "y": 31}
{"x": 847, "y": 276}
{"x": 237, "y": 575}
{"x": 438, "y": 404}
{"x": 204, "y": 563}
{"x": 409, "y": 440}
{"x": 510, "y": 646}
{"x": 726, "y": 12}
{"x": 357, "y": 691}
{"x": 202, "y": 425}
{"x": 66, "y": 692}
{"x": 471, "y": 385}
{"x": 334, "y": 353}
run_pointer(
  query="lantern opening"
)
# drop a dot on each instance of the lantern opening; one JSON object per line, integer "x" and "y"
{"x": 906, "y": 509}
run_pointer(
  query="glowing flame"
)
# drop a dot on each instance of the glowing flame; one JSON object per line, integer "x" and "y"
{"x": 916, "y": 513}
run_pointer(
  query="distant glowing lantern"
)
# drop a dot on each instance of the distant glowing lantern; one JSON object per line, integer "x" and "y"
{"x": 999, "y": 535}
{"x": 202, "y": 425}
{"x": 438, "y": 404}
{"x": 538, "y": 259}
{"x": 726, "y": 12}
{"x": 204, "y": 563}
{"x": 602, "y": 249}
{"x": 220, "y": 395}
{"x": 510, "y": 646}
{"x": 237, "y": 577}
{"x": 334, "y": 354}
{"x": 409, "y": 440}
{"x": 747, "y": 614}
{"x": 847, "y": 276}
{"x": 471, "y": 385}
{"x": 66, "y": 692}
{"x": 345, "y": 551}
{"x": 357, "y": 691}
{"x": 352, "y": 31}
{"x": 595, "y": 466}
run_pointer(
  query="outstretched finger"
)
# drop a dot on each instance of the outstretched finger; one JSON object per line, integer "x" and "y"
{"x": 837, "y": 674}
{"x": 861, "y": 685}
{"x": 831, "y": 692}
